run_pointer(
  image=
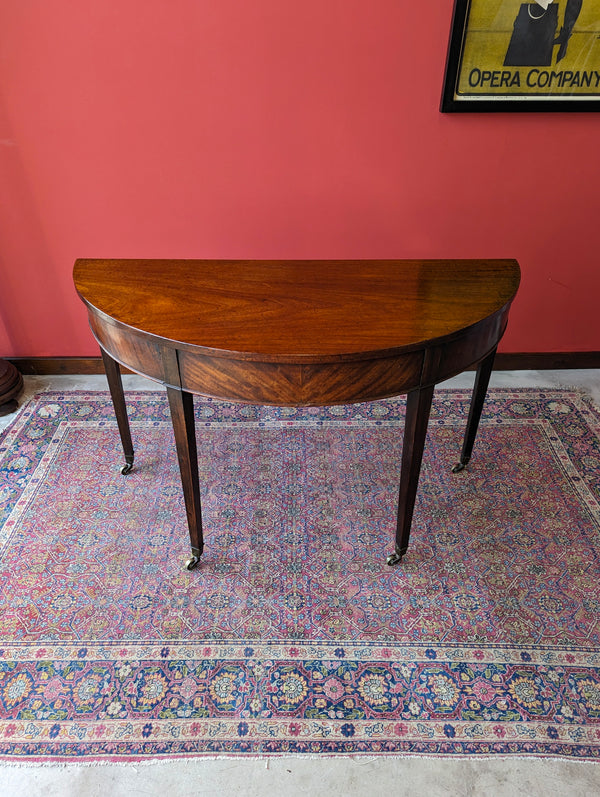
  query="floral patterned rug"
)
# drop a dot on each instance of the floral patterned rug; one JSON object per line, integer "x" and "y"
{"x": 293, "y": 636}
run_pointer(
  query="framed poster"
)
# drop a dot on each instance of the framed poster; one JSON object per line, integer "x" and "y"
{"x": 509, "y": 55}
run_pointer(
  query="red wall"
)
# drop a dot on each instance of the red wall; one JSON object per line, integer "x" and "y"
{"x": 273, "y": 128}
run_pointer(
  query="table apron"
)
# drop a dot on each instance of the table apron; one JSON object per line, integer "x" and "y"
{"x": 299, "y": 384}
{"x": 444, "y": 360}
{"x": 136, "y": 350}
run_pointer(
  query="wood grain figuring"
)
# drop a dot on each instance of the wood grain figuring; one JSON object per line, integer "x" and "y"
{"x": 298, "y": 333}
{"x": 443, "y": 360}
{"x": 297, "y": 384}
{"x": 299, "y": 311}
{"x": 141, "y": 353}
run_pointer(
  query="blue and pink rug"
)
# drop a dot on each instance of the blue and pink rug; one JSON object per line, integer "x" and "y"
{"x": 293, "y": 636}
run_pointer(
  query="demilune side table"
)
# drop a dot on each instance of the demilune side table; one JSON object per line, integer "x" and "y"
{"x": 298, "y": 333}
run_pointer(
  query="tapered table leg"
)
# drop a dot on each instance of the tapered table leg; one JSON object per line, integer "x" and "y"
{"x": 418, "y": 407}
{"x": 115, "y": 384}
{"x": 482, "y": 380}
{"x": 184, "y": 427}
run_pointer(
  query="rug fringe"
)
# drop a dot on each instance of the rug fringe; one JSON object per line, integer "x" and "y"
{"x": 292, "y": 757}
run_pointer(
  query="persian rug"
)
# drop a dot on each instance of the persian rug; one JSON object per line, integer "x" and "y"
{"x": 293, "y": 636}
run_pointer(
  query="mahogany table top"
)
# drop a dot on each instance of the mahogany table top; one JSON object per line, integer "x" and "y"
{"x": 311, "y": 311}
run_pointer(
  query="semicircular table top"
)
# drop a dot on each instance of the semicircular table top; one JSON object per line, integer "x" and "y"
{"x": 297, "y": 310}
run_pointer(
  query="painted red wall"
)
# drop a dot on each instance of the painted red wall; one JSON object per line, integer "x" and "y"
{"x": 297, "y": 129}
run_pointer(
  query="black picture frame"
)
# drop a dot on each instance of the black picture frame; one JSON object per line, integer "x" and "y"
{"x": 484, "y": 99}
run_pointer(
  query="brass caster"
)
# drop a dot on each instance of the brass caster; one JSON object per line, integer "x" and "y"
{"x": 394, "y": 559}
{"x": 191, "y": 563}
{"x": 127, "y": 468}
{"x": 458, "y": 467}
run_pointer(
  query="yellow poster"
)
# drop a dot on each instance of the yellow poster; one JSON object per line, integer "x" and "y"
{"x": 538, "y": 50}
